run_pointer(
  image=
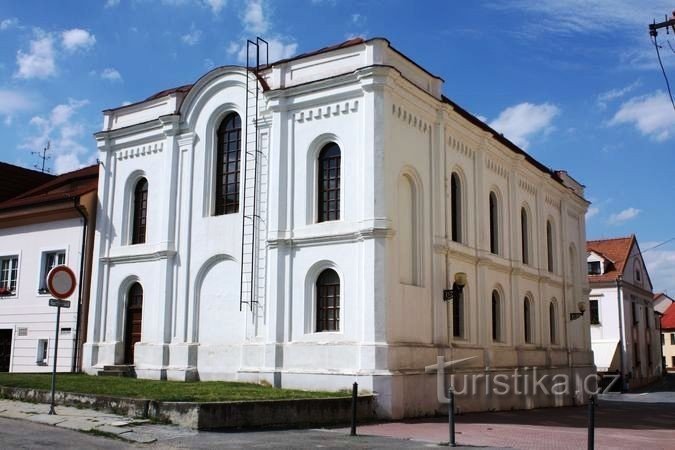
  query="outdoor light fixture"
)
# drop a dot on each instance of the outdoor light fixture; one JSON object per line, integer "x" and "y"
{"x": 457, "y": 287}
{"x": 582, "y": 310}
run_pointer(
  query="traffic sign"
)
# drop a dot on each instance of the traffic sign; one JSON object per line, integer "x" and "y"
{"x": 61, "y": 282}
{"x": 59, "y": 303}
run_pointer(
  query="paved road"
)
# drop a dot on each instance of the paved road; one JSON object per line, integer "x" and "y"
{"x": 17, "y": 434}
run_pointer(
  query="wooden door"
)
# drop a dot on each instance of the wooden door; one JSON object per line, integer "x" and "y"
{"x": 5, "y": 349}
{"x": 134, "y": 319}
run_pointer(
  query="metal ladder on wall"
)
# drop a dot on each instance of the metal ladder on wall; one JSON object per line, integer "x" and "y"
{"x": 250, "y": 239}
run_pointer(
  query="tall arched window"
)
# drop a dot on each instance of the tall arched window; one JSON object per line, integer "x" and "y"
{"x": 456, "y": 207}
{"x": 494, "y": 224}
{"x": 140, "y": 217}
{"x": 408, "y": 231}
{"x": 328, "y": 301}
{"x": 458, "y": 315}
{"x": 524, "y": 235}
{"x": 329, "y": 183}
{"x": 549, "y": 245}
{"x": 553, "y": 323}
{"x": 496, "y": 317}
{"x": 527, "y": 320}
{"x": 228, "y": 162}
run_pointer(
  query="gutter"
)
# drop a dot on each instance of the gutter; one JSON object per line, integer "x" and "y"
{"x": 85, "y": 226}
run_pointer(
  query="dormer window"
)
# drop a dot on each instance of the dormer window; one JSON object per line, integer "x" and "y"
{"x": 594, "y": 268}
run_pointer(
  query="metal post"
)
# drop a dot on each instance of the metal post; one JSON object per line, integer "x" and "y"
{"x": 451, "y": 417}
{"x": 591, "y": 423}
{"x": 355, "y": 393}
{"x": 56, "y": 351}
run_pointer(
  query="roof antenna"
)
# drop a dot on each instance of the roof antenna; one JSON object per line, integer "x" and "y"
{"x": 44, "y": 157}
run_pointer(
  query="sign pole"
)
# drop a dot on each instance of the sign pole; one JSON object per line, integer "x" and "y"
{"x": 56, "y": 351}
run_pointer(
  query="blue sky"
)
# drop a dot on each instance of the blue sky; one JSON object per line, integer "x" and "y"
{"x": 575, "y": 83}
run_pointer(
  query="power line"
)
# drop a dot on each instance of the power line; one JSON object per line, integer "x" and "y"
{"x": 663, "y": 70}
{"x": 659, "y": 245}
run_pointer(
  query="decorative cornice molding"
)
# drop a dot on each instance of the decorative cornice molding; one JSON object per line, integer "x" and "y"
{"x": 461, "y": 148}
{"x": 497, "y": 168}
{"x": 323, "y": 112}
{"x": 328, "y": 239}
{"x": 527, "y": 187}
{"x": 140, "y": 257}
{"x": 412, "y": 120}
{"x": 140, "y": 151}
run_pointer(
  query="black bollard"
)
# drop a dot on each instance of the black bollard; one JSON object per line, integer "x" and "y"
{"x": 355, "y": 393}
{"x": 591, "y": 423}
{"x": 451, "y": 417}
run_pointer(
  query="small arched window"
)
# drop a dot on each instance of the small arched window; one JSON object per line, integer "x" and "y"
{"x": 140, "y": 216}
{"x": 553, "y": 323}
{"x": 496, "y": 317}
{"x": 549, "y": 245}
{"x": 494, "y": 224}
{"x": 408, "y": 231}
{"x": 456, "y": 207}
{"x": 328, "y": 301}
{"x": 329, "y": 183}
{"x": 228, "y": 162}
{"x": 638, "y": 272}
{"x": 524, "y": 236}
{"x": 527, "y": 320}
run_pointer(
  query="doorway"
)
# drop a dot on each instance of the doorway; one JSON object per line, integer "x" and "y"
{"x": 134, "y": 319}
{"x": 5, "y": 349}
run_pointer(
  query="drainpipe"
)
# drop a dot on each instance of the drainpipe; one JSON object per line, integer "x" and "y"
{"x": 85, "y": 223}
{"x": 622, "y": 335}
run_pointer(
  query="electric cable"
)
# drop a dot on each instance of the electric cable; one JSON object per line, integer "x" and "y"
{"x": 665, "y": 75}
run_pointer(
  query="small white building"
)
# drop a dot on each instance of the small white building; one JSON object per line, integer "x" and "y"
{"x": 624, "y": 326}
{"x": 309, "y": 245}
{"x": 668, "y": 336}
{"x": 51, "y": 224}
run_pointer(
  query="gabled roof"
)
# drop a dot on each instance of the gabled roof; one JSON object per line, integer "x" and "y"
{"x": 616, "y": 251}
{"x": 63, "y": 187}
{"x": 14, "y": 180}
{"x": 668, "y": 319}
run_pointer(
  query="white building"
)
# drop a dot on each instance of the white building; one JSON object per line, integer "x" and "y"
{"x": 624, "y": 326}
{"x": 373, "y": 190}
{"x": 51, "y": 224}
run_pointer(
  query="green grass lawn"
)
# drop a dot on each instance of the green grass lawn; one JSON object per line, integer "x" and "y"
{"x": 203, "y": 391}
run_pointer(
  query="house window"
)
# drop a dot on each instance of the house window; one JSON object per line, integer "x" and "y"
{"x": 524, "y": 236}
{"x": 527, "y": 320}
{"x": 329, "y": 183}
{"x": 646, "y": 317}
{"x": 595, "y": 312}
{"x": 594, "y": 268}
{"x": 49, "y": 261}
{"x": 9, "y": 267}
{"x": 549, "y": 245}
{"x": 552, "y": 323}
{"x": 672, "y": 338}
{"x": 494, "y": 224}
{"x": 328, "y": 301}
{"x": 228, "y": 163}
{"x": 672, "y": 361}
{"x": 636, "y": 355}
{"x": 496, "y": 317}
{"x": 456, "y": 207}
{"x": 634, "y": 312}
{"x": 458, "y": 316}
{"x": 42, "y": 352}
{"x": 139, "y": 222}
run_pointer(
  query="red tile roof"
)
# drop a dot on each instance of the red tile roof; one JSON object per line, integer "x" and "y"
{"x": 616, "y": 251}
{"x": 668, "y": 319}
{"x": 14, "y": 180}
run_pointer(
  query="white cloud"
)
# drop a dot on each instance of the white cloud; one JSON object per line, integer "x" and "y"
{"x": 254, "y": 18}
{"x": 111, "y": 74}
{"x": 613, "y": 94}
{"x": 192, "y": 37}
{"x": 661, "y": 266}
{"x": 111, "y": 3}
{"x": 652, "y": 115}
{"x": 38, "y": 62}
{"x": 522, "y": 121}
{"x": 6, "y": 24}
{"x": 215, "y": 5}
{"x": 13, "y": 102}
{"x": 623, "y": 216}
{"x": 592, "y": 211}
{"x": 76, "y": 39}
{"x": 358, "y": 19}
{"x": 279, "y": 47}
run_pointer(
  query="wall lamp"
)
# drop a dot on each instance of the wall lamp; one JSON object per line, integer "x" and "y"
{"x": 582, "y": 310}
{"x": 457, "y": 287}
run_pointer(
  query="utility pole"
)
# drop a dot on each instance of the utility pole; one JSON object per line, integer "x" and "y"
{"x": 43, "y": 156}
{"x": 669, "y": 22}
{"x": 653, "y": 32}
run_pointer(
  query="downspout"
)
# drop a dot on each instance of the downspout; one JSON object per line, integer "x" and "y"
{"x": 622, "y": 337}
{"x": 76, "y": 355}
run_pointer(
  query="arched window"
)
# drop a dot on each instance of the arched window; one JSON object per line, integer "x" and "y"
{"x": 496, "y": 317}
{"x": 456, "y": 207}
{"x": 140, "y": 217}
{"x": 553, "y": 323}
{"x": 549, "y": 245}
{"x": 329, "y": 183}
{"x": 408, "y": 231}
{"x": 638, "y": 272}
{"x": 328, "y": 301}
{"x": 494, "y": 224}
{"x": 524, "y": 236}
{"x": 228, "y": 162}
{"x": 458, "y": 315}
{"x": 527, "y": 320}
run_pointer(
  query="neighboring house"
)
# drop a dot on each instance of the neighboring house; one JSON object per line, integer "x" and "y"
{"x": 668, "y": 337}
{"x": 662, "y": 302}
{"x": 15, "y": 180}
{"x": 624, "y": 325}
{"x": 372, "y": 192}
{"x": 48, "y": 225}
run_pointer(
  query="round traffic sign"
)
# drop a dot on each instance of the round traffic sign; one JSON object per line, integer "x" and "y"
{"x": 61, "y": 282}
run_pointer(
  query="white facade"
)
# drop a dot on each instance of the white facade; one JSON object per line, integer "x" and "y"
{"x": 400, "y": 143}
